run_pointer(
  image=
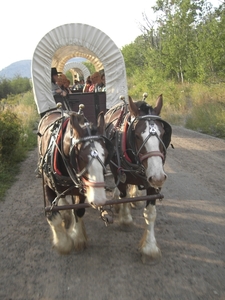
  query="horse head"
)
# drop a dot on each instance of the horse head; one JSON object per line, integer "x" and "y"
{"x": 149, "y": 136}
{"x": 89, "y": 145}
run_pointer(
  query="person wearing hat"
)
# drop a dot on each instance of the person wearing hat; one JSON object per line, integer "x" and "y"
{"x": 56, "y": 89}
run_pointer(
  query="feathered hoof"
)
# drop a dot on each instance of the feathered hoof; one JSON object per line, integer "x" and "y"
{"x": 125, "y": 218}
{"x": 126, "y": 221}
{"x": 80, "y": 246}
{"x": 151, "y": 257}
{"x": 64, "y": 248}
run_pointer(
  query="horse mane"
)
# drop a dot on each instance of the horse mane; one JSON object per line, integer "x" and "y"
{"x": 83, "y": 123}
{"x": 144, "y": 107}
{"x": 92, "y": 128}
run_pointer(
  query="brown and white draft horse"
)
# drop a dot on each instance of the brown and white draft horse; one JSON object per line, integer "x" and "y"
{"x": 140, "y": 138}
{"x": 72, "y": 159}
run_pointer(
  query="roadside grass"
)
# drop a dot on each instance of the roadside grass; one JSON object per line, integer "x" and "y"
{"x": 194, "y": 106}
{"x": 208, "y": 118}
{"x": 24, "y": 108}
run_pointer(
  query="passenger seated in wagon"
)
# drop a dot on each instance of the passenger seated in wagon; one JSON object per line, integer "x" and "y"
{"x": 56, "y": 89}
{"x": 101, "y": 86}
{"x": 87, "y": 84}
{"x": 96, "y": 79}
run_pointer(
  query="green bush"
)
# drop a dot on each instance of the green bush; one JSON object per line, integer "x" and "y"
{"x": 14, "y": 87}
{"x": 18, "y": 125}
{"x": 10, "y": 130}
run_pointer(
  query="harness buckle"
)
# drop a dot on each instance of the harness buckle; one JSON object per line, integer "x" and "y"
{"x": 94, "y": 153}
{"x": 152, "y": 129}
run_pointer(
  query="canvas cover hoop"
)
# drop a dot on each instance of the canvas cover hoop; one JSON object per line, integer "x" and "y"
{"x": 77, "y": 40}
{"x": 76, "y": 67}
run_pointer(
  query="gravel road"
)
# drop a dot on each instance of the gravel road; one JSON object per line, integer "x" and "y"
{"x": 190, "y": 231}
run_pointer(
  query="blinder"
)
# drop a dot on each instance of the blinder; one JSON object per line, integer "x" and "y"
{"x": 168, "y": 132}
{"x": 110, "y": 148}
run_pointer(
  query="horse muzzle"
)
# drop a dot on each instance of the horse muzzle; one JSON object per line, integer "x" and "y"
{"x": 157, "y": 181}
{"x": 95, "y": 192}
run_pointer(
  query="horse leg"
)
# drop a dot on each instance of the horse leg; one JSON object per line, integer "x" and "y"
{"x": 125, "y": 216}
{"x": 124, "y": 209}
{"x": 133, "y": 192}
{"x": 148, "y": 245}
{"x": 115, "y": 196}
{"x": 61, "y": 240}
{"x": 66, "y": 215}
{"x": 77, "y": 230}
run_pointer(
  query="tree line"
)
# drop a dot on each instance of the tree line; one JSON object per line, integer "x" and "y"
{"x": 185, "y": 43}
{"x": 14, "y": 86}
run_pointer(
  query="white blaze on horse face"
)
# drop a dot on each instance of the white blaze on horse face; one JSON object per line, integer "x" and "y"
{"x": 154, "y": 171}
{"x": 96, "y": 191}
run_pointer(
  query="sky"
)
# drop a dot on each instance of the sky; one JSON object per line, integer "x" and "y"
{"x": 23, "y": 23}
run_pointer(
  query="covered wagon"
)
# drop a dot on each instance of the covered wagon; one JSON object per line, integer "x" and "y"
{"x": 56, "y": 49}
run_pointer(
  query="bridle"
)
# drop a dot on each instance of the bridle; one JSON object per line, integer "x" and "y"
{"x": 93, "y": 153}
{"x": 152, "y": 132}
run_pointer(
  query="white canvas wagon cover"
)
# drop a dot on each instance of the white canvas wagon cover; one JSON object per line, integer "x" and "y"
{"x": 77, "y": 40}
{"x": 79, "y": 68}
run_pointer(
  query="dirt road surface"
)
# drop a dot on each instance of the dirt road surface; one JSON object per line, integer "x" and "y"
{"x": 190, "y": 230}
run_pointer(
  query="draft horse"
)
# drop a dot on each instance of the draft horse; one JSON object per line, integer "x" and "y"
{"x": 140, "y": 139}
{"x": 72, "y": 159}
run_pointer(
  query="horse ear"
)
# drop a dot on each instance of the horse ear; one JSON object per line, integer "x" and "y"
{"x": 74, "y": 120}
{"x": 101, "y": 123}
{"x": 159, "y": 104}
{"x": 133, "y": 108}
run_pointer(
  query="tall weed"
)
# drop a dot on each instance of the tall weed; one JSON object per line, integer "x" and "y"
{"x": 18, "y": 124}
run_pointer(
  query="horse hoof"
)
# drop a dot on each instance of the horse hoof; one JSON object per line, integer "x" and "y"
{"x": 152, "y": 258}
{"x": 64, "y": 248}
{"x": 146, "y": 259}
{"x": 126, "y": 220}
{"x": 81, "y": 246}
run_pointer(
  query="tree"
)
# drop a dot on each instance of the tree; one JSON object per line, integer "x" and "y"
{"x": 181, "y": 43}
{"x": 211, "y": 45}
{"x": 135, "y": 55}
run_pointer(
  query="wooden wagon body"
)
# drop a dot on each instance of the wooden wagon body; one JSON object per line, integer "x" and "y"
{"x": 93, "y": 103}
